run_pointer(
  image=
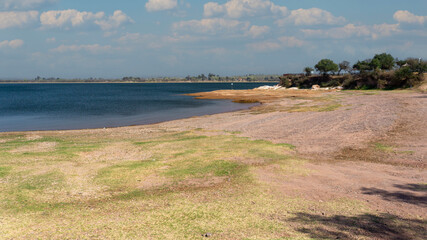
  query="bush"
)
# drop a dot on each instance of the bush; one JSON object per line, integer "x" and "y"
{"x": 285, "y": 82}
{"x": 402, "y": 78}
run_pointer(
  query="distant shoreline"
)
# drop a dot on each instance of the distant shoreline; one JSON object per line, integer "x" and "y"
{"x": 118, "y": 82}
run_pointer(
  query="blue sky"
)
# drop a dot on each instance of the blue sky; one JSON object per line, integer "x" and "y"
{"x": 147, "y": 38}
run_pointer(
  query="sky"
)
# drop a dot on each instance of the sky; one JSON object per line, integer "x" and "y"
{"x": 176, "y": 38}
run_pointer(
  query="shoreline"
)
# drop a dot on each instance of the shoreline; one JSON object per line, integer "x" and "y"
{"x": 293, "y": 161}
{"x": 121, "y": 82}
{"x": 130, "y": 126}
{"x": 137, "y": 125}
{"x": 254, "y": 97}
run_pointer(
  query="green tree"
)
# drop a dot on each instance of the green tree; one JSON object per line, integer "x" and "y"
{"x": 417, "y": 65}
{"x": 344, "y": 65}
{"x": 308, "y": 71}
{"x": 363, "y": 66}
{"x": 326, "y": 65}
{"x": 375, "y": 64}
{"x": 386, "y": 61}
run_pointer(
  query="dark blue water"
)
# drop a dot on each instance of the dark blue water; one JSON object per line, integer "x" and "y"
{"x": 25, "y": 107}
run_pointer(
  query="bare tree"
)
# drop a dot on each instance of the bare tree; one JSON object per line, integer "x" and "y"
{"x": 344, "y": 65}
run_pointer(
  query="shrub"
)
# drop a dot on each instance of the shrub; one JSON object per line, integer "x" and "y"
{"x": 285, "y": 81}
{"x": 402, "y": 78}
{"x": 349, "y": 83}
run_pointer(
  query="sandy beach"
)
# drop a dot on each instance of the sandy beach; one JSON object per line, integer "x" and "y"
{"x": 304, "y": 164}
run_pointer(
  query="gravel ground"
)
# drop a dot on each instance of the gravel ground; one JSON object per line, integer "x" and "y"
{"x": 341, "y": 145}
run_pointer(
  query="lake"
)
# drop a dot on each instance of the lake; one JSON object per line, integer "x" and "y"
{"x": 26, "y": 107}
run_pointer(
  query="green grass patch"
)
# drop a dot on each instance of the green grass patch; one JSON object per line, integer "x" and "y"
{"x": 194, "y": 169}
{"x": 185, "y": 155}
{"x": 125, "y": 175}
{"x": 187, "y": 152}
{"x": 383, "y": 147}
{"x": 51, "y": 180}
{"x": 4, "y": 171}
{"x": 22, "y": 150}
{"x": 176, "y": 138}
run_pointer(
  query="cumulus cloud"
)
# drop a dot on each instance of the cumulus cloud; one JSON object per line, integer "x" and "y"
{"x": 384, "y": 30}
{"x": 351, "y": 30}
{"x": 66, "y": 18}
{"x": 408, "y": 17}
{"x": 211, "y": 25}
{"x": 24, "y": 4}
{"x": 160, "y": 5}
{"x": 281, "y": 42}
{"x": 94, "y": 48}
{"x": 116, "y": 20}
{"x": 242, "y": 8}
{"x": 17, "y": 19}
{"x": 12, "y": 43}
{"x": 73, "y": 18}
{"x": 257, "y": 31}
{"x": 312, "y": 16}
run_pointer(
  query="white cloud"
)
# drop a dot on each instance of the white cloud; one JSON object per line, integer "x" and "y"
{"x": 119, "y": 18}
{"x": 211, "y": 25}
{"x": 351, "y": 30}
{"x": 384, "y": 30}
{"x": 73, "y": 18}
{"x": 242, "y": 8}
{"x": 23, "y": 4}
{"x": 12, "y": 43}
{"x": 66, "y": 18}
{"x": 280, "y": 43}
{"x": 312, "y": 16}
{"x": 408, "y": 17}
{"x": 213, "y": 8}
{"x": 291, "y": 42}
{"x": 160, "y": 5}
{"x": 257, "y": 31}
{"x": 94, "y": 48}
{"x": 17, "y": 19}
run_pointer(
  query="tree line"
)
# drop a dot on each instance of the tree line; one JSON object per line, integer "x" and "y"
{"x": 383, "y": 71}
{"x": 383, "y": 61}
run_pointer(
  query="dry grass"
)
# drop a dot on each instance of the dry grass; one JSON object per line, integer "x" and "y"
{"x": 160, "y": 185}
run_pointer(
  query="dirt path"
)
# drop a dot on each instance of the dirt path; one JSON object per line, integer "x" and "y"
{"x": 361, "y": 119}
{"x": 372, "y": 149}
